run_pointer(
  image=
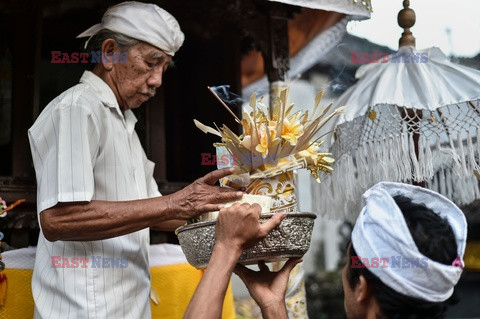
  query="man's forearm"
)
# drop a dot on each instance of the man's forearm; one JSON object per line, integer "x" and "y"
{"x": 169, "y": 225}
{"x": 96, "y": 220}
{"x": 207, "y": 302}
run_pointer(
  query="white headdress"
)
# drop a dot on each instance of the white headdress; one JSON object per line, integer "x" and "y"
{"x": 382, "y": 232}
{"x": 142, "y": 21}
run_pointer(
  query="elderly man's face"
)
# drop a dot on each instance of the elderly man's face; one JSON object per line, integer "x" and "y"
{"x": 136, "y": 81}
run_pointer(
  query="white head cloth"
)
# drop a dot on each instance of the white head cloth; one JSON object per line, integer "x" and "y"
{"x": 141, "y": 21}
{"x": 381, "y": 231}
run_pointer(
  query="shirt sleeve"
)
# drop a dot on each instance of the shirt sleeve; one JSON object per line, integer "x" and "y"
{"x": 152, "y": 186}
{"x": 64, "y": 148}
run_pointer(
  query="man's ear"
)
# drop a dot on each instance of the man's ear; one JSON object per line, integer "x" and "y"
{"x": 363, "y": 291}
{"x": 108, "y": 50}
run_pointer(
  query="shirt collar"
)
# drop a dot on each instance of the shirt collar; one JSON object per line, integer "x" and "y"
{"x": 108, "y": 97}
{"x": 104, "y": 91}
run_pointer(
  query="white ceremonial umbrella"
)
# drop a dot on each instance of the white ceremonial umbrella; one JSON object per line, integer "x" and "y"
{"x": 412, "y": 118}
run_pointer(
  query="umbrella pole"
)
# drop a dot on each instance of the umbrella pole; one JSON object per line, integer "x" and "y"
{"x": 406, "y": 20}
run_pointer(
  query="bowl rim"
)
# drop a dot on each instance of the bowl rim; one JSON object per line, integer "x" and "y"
{"x": 262, "y": 216}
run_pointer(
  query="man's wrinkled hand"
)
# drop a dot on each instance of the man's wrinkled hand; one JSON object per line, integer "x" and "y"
{"x": 238, "y": 226}
{"x": 203, "y": 196}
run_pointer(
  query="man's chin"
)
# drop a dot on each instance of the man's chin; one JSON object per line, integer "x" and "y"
{"x": 144, "y": 99}
{"x": 136, "y": 104}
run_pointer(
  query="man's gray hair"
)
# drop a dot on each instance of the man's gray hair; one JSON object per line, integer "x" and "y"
{"x": 124, "y": 42}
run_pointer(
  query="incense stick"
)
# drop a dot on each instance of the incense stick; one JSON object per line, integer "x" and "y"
{"x": 224, "y": 105}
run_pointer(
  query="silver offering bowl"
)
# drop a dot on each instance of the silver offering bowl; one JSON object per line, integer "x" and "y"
{"x": 290, "y": 239}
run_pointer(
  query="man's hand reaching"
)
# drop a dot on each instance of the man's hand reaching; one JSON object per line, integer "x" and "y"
{"x": 203, "y": 196}
{"x": 268, "y": 288}
{"x": 238, "y": 226}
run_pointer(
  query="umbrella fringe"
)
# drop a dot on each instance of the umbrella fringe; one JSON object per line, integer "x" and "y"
{"x": 421, "y": 160}
{"x": 461, "y": 190}
{"x": 457, "y": 166}
{"x": 413, "y": 158}
{"x": 405, "y": 160}
{"x": 462, "y": 153}
{"x": 471, "y": 150}
{"x": 446, "y": 168}
{"x": 478, "y": 146}
{"x": 428, "y": 164}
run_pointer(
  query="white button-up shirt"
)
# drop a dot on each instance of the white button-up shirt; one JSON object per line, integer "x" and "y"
{"x": 84, "y": 148}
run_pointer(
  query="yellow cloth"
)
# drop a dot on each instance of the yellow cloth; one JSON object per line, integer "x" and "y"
{"x": 175, "y": 285}
{"x": 472, "y": 255}
{"x": 19, "y": 299}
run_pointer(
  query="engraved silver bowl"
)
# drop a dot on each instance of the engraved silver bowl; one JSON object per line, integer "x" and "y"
{"x": 290, "y": 239}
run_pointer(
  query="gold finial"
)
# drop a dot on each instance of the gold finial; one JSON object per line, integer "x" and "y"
{"x": 406, "y": 20}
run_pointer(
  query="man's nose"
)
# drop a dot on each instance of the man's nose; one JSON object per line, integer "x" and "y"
{"x": 155, "y": 79}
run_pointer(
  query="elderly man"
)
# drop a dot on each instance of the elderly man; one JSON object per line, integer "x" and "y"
{"x": 404, "y": 260}
{"x": 96, "y": 192}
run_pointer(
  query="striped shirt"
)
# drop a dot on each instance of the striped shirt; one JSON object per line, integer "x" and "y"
{"x": 84, "y": 148}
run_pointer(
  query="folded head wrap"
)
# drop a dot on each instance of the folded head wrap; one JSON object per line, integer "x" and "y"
{"x": 382, "y": 232}
{"x": 142, "y": 21}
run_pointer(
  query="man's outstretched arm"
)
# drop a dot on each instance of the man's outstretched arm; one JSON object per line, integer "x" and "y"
{"x": 238, "y": 228}
{"x": 96, "y": 220}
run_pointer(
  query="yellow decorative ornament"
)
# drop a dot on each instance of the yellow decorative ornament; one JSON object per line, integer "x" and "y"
{"x": 288, "y": 140}
{"x": 272, "y": 145}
